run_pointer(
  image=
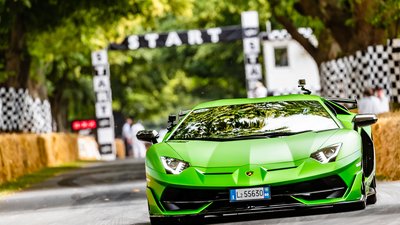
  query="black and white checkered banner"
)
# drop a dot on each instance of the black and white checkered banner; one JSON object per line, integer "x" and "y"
{"x": 20, "y": 112}
{"x": 348, "y": 77}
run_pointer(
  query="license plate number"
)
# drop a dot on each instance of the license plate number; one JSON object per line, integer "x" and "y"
{"x": 243, "y": 194}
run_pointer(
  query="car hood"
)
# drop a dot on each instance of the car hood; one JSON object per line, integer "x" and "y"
{"x": 255, "y": 151}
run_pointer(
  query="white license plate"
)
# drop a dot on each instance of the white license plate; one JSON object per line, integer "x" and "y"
{"x": 243, "y": 194}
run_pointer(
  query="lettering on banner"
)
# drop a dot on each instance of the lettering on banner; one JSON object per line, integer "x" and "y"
{"x": 103, "y": 96}
{"x": 253, "y": 72}
{"x": 250, "y": 32}
{"x": 106, "y": 149}
{"x": 251, "y": 49}
{"x": 103, "y": 109}
{"x": 194, "y": 37}
{"x": 104, "y": 122}
{"x": 251, "y": 59}
{"x": 101, "y": 83}
{"x": 214, "y": 34}
{"x": 99, "y": 58}
{"x": 251, "y": 45}
{"x": 104, "y": 115}
{"x": 151, "y": 39}
{"x": 174, "y": 38}
{"x": 133, "y": 42}
{"x": 101, "y": 70}
{"x": 105, "y": 135}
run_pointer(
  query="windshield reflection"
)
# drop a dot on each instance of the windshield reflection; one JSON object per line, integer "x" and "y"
{"x": 249, "y": 120}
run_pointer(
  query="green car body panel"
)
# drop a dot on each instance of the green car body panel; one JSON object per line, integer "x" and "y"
{"x": 274, "y": 162}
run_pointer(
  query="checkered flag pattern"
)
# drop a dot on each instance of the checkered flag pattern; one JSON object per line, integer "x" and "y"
{"x": 378, "y": 65}
{"x": 20, "y": 112}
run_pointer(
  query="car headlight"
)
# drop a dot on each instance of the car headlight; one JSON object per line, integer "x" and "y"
{"x": 327, "y": 154}
{"x": 174, "y": 166}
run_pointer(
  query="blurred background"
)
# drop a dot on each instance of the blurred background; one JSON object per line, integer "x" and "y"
{"x": 45, "y": 47}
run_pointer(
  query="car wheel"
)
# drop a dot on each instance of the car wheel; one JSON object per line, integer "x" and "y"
{"x": 163, "y": 220}
{"x": 359, "y": 205}
{"x": 372, "y": 198}
{"x": 363, "y": 203}
{"x": 194, "y": 220}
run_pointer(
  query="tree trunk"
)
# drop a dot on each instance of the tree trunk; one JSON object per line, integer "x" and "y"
{"x": 347, "y": 28}
{"x": 59, "y": 112}
{"x": 59, "y": 106}
{"x": 17, "y": 57}
{"x": 18, "y": 60}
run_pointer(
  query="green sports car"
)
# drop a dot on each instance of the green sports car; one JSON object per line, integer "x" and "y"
{"x": 253, "y": 155}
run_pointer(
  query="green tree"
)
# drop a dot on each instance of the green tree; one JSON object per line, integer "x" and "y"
{"x": 22, "y": 19}
{"x": 342, "y": 27}
{"x": 60, "y": 66}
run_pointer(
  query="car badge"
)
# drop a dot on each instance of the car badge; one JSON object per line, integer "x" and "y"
{"x": 249, "y": 173}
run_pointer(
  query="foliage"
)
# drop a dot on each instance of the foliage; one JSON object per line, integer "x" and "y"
{"x": 62, "y": 55}
{"x": 178, "y": 78}
{"x": 59, "y": 36}
{"x": 342, "y": 27}
{"x": 233, "y": 121}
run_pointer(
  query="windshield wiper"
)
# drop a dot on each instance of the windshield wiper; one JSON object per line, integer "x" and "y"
{"x": 269, "y": 135}
{"x": 278, "y": 134}
{"x": 262, "y": 135}
{"x": 201, "y": 139}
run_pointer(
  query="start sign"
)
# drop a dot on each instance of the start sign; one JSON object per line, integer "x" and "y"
{"x": 83, "y": 124}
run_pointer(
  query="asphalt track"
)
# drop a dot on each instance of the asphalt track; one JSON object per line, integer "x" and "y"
{"x": 114, "y": 193}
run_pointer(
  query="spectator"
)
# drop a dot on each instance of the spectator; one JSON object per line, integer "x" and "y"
{"x": 260, "y": 91}
{"x": 161, "y": 134}
{"x": 383, "y": 100}
{"x": 369, "y": 103}
{"x": 139, "y": 149}
{"x": 127, "y": 136}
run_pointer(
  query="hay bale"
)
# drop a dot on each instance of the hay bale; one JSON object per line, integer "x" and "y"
{"x": 386, "y": 133}
{"x": 25, "y": 153}
{"x": 19, "y": 155}
{"x": 88, "y": 148}
{"x": 59, "y": 148}
{"x": 120, "y": 146}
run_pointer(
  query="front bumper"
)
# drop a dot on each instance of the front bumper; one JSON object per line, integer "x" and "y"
{"x": 309, "y": 184}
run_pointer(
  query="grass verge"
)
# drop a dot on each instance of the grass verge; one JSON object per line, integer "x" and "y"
{"x": 37, "y": 177}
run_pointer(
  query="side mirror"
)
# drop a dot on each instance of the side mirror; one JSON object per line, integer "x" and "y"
{"x": 362, "y": 120}
{"x": 148, "y": 135}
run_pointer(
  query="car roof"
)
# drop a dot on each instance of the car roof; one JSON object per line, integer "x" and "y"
{"x": 238, "y": 101}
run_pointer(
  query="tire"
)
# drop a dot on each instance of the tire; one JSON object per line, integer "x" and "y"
{"x": 363, "y": 203}
{"x": 163, "y": 220}
{"x": 194, "y": 220}
{"x": 359, "y": 205}
{"x": 372, "y": 198}
{"x": 348, "y": 207}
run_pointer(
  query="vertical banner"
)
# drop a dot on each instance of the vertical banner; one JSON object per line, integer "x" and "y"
{"x": 251, "y": 48}
{"x": 104, "y": 116}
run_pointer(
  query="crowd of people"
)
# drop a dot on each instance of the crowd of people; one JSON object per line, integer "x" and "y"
{"x": 373, "y": 101}
{"x": 133, "y": 147}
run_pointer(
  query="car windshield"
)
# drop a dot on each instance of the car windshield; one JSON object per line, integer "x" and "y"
{"x": 266, "y": 119}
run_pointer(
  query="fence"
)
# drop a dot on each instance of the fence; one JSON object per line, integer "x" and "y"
{"x": 378, "y": 65}
{"x": 19, "y": 112}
